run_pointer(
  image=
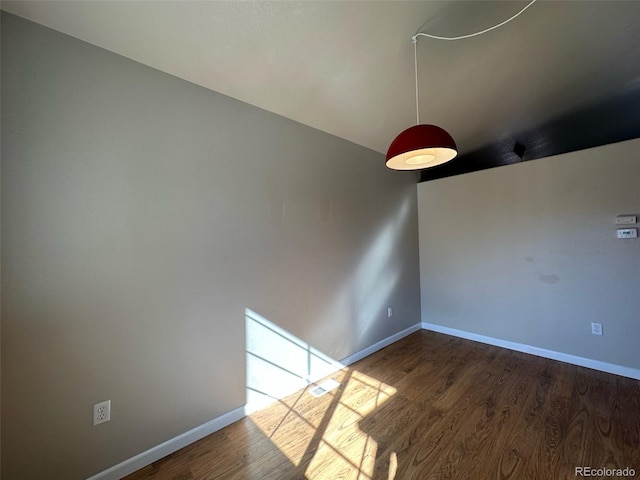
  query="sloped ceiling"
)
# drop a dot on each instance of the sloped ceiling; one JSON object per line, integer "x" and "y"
{"x": 347, "y": 67}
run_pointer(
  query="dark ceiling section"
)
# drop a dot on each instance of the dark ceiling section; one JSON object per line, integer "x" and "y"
{"x": 615, "y": 120}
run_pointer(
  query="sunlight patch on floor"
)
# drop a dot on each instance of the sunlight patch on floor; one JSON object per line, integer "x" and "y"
{"x": 321, "y": 431}
{"x": 328, "y": 426}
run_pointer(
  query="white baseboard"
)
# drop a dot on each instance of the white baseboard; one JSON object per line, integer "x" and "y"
{"x": 156, "y": 453}
{"x": 160, "y": 451}
{"x": 540, "y": 352}
{"x": 334, "y": 365}
{"x": 380, "y": 345}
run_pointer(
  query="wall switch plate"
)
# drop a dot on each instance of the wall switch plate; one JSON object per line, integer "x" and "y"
{"x": 627, "y": 233}
{"x": 389, "y": 312}
{"x": 626, "y": 220}
{"x": 596, "y": 328}
{"x": 102, "y": 412}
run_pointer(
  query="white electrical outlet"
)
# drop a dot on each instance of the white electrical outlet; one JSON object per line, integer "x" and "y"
{"x": 596, "y": 328}
{"x": 389, "y": 312}
{"x": 102, "y": 412}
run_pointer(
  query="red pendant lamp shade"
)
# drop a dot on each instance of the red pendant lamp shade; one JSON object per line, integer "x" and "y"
{"x": 421, "y": 146}
{"x": 425, "y": 146}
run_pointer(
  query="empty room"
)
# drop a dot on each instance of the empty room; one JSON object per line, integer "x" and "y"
{"x": 368, "y": 240}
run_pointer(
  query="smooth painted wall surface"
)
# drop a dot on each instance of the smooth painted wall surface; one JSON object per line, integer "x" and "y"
{"x": 142, "y": 215}
{"x": 528, "y": 253}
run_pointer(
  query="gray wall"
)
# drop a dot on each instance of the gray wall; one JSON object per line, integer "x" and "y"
{"x": 528, "y": 253}
{"x": 141, "y": 216}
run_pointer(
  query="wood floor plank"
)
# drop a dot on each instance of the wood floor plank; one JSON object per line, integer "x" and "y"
{"x": 429, "y": 407}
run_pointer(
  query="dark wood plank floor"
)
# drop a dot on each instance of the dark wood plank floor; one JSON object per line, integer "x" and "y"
{"x": 430, "y": 407}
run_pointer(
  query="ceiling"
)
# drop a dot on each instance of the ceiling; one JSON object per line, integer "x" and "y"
{"x": 346, "y": 67}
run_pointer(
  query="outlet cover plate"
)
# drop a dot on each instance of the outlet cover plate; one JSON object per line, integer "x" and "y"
{"x": 627, "y": 233}
{"x": 626, "y": 220}
{"x": 102, "y": 412}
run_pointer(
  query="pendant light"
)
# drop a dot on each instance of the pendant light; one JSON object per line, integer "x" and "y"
{"x": 420, "y": 146}
{"x": 423, "y": 146}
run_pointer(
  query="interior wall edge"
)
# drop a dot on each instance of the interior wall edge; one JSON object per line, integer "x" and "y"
{"x": 540, "y": 352}
{"x": 172, "y": 445}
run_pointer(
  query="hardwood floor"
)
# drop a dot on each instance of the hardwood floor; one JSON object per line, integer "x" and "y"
{"x": 430, "y": 407}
